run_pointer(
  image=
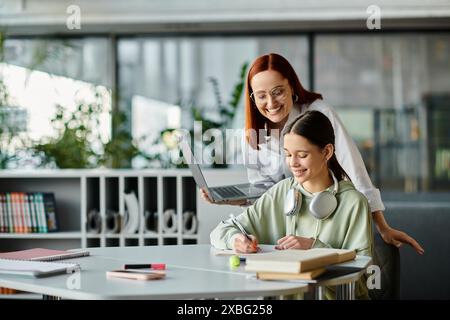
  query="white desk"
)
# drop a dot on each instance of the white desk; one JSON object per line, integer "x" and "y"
{"x": 181, "y": 282}
{"x": 193, "y": 272}
{"x": 202, "y": 258}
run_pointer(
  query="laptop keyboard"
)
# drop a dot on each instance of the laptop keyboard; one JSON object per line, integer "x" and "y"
{"x": 229, "y": 192}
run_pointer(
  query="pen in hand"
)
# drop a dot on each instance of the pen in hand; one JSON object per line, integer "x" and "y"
{"x": 241, "y": 228}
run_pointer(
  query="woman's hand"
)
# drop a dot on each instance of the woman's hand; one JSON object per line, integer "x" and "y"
{"x": 393, "y": 236}
{"x": 293, "y": 242}
{"x": 398, "y": 238}
{"x": 205, "y": 196}
{"x": 243, "y": 245}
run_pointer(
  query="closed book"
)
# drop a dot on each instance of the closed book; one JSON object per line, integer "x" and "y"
{"x": 343, "y": 254}
{"x": 308, "y": 275}
{"x": 39, "y": 254}
{"x": 2, "y": 220}
{"x": 48, "y": 200}
{"x": 13, "y": 212}
{"x": 5, "y": 213}
{"x": 33, "y": 224}
{"x": 19, "y": 208}
{"x": 12, "y": 217}
{"x": 18, "y": 218}
{"x": 25, "y": 212}
{"x": 40, "y": 210}
{"x": 34, "y": 207}
{"x": 293, "y": 261}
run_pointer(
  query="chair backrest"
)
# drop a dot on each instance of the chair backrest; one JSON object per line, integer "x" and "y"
{"x": 387, "y": 257}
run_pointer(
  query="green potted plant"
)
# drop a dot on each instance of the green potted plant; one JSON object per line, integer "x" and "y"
{"x": 78, "y": 143}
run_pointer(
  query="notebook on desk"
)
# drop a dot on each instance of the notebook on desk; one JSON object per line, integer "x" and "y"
{"x": 39, "y": 254}
{"x": 262, "y": 248}
{"x": 313, "y": 276}
{"x": 297, "y": 261}
{"x": 36, "y": 268}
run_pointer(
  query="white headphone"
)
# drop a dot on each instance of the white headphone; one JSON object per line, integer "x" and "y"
{"x": 322, "y": 203}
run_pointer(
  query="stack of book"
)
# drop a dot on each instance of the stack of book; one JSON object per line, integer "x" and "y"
{"x": 36, "y": 254}
{"x": 27, "y": 212}
{"x": 296, "y": 264}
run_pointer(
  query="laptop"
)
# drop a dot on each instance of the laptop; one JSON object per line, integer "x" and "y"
{"x": 222, "y": 193}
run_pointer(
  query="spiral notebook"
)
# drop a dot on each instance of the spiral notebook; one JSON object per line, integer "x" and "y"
{"x": 36, "y": 268}
{"x": 39, "y": 254}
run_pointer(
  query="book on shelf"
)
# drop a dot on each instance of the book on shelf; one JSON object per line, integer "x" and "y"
{"x": 28, "y": 212}
{"x": 40, "y": 254}
{"x": 297, "y": 261}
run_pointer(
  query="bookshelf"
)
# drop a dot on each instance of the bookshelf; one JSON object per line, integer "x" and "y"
{"x": 77, "y": 192}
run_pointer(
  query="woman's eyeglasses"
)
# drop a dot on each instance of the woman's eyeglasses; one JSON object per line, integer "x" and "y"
{"x": 278, "y": 93}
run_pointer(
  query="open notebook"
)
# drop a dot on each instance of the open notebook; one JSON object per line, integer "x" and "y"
{"x": 36, "y": 268}
{"x": 262, "y": 248}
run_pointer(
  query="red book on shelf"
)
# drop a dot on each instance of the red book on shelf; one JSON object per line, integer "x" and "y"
{"x": 19, "y": 202}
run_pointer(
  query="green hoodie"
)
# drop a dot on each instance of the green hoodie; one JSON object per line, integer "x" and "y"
{"x": 348, "y": 227}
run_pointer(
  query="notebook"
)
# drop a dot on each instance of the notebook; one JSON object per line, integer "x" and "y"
{"x": 39, "y": 254}
{"x": 36, "y": 268}
{"x": 262, "y": 248}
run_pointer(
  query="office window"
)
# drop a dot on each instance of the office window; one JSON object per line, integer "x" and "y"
{"x": 392, "y": 93}
{"x": 40, "y": 74}
{"x": 162, "y": 78}
{"x": 84, "y": 59}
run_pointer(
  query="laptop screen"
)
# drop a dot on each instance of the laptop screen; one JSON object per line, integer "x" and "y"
{"x": 194, "y": 166}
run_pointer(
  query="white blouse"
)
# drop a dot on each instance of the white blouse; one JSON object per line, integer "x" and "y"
{"x": 268, "y": 164}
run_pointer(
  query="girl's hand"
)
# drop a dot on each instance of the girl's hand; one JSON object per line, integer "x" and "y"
{"x": 243, "y": 245}
{"x": 293, "y": 242}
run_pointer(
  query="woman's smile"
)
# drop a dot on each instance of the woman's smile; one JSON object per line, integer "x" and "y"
{"x": 274, "y": 110}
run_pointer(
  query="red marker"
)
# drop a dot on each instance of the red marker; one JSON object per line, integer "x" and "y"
{"x": 154, "y": 266}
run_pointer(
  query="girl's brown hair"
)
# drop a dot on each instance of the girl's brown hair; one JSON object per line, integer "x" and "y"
{"x": 317, "y": 128}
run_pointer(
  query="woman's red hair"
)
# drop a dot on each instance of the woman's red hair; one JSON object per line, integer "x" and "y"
{"x": 272, "y": 61}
